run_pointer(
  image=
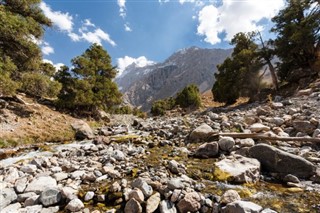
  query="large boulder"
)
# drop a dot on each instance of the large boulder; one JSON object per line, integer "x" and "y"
{"x": 201, "y": 133}
{"x": 242, "y": 207}
{"x": 190, "y": 202}
{"x": 207, "y": 150}
{"x": 304, "y": 126}
{"x": 83, "y": 130}
{"x": 40, "y": 184}
{"x": 7, "y": 196}
{"x": 238, "y": 169}
{"x": 277, "y": 161}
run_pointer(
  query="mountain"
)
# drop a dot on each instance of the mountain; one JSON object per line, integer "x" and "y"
{"x": 143, "y": 85}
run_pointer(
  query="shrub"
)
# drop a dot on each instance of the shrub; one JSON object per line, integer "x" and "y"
{"x": 159, "y": 107}
{"x": 189, "y": 97}
{"x": 39, "y": 85}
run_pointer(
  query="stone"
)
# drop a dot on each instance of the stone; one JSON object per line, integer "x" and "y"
{"x": 133, "y": 206}
{"x": 167, "y": 207}
{"x": 75, "y": 205}
{"x": 11, "y": 175}
{"x": 173, "y": 166}
{"x": 24, "y": 196}
{"x": 115, "y": 187}
{"x": 110, "y": 171}
{"x": 31, "y": 209}
{"x": 29, "y": 168}
{"x": 136, "y": 194}
{"x": 241, "y": 207}
{"x": 175, "y": 195}
{"x": 52, "y": 209}
{"x": 268, "y": 211}
{"x": 258, "y": 127}
{"x": 277, "y": 161}
{"x": 50, "y": 197}
{"x": 60, "y": 176}
{"x": 263, "y": 110}
{"x": 83, "y": 130}
{"x": 7, "y": 196}
{"x": 203, "y": 132}
{"x": 226, "y": 143}
{"x": 11, "y": 208}
{"x": 213, "y": 116}
{"x": 143, "y": 186}
{"x": 305, "y": 92}
{"x": 276, "y": 105}
{"x": 41, "y": 183}
{"x": 118, "y": 155}
{"x": 34, "y": 200}
{"x": 69, "y": 193}
{"x": 190, "y": 202}
{"x": 238, "y": 169}
{"x": 77, "y": 174}
{"x": 153, "y": 202}
{"x": 230, "y": 196}
{"x": 304, "y": 126}
{"x": 175, "y": 183}
{"x": 207, "y": 150}
{"x": 247, "y": 142}
{"x": 21, "y": 184}
{"x": 291, "y": 178}
{"x": 89, "y": 196}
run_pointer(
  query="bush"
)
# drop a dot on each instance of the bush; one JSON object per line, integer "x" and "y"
{"x": 189, "y": 97}
{"x": 159, "y": 107}
{"x": 40, "y": 85}
{"x": 7, "y": 85}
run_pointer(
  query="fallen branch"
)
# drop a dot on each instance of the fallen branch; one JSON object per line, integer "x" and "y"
{"x": 268, "y": 137}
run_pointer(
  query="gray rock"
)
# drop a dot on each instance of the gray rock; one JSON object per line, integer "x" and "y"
{"x": 203, "y": 132}
{"x": 175, "y": 183}
{"x": 226, "y": 143}
{"x": 31, "y": 209}
{"x": 7, "y": 196}
{"x": 173, "y": 166}
{"x": 75, "y": 205}
{"x": 60, "y": 176}
{"x": 276, "y": 105}
{"x": 34, "y": 200}
{"x": 143, "y": 186}
{"x": 41, "y": 183}
{"x": 137, "y": 194}
{"x": 258, "y": 127}
{"x": 190, "y": 202}
{"x": 207, "y": 150}
{"x": 11, "y": 175}
{"x": 153, "y": 202}
{"x": 115, "y": 187}
{"x": 213, "y": 116}
{"x": 77, "y": 174}
{"x": 241, "y": 207}
{"x": 238, "y": 169}
{"x": 24, "y": 196}
{"x": 21, "y": 184}
{"x": 52, "y": 209}
{"x": 29, "y": 168}
{"x": 69, "y": 193}
{"x": 167, "y": 207}
{"x": 133, "y": 206}
{"x": 119, "y": 155}
{"x": 89, "y": 196}
{"x": 50, "y": 197}
{"x": 304, "y": 126}
{"x": 230, "y": 196}
{"x": 83, "y": 130}
{"x": 291, "y": 178}
{"x": 268, "y": 211}
{"x": 277, "y": 161}
{"x": 11, "y": 208}
{"x": 248, "y": 142}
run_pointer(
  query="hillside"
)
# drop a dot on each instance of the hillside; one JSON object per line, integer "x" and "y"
{"x": 142, "y": 85}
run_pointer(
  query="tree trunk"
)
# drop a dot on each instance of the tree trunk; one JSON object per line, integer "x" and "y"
{"x": 273, "y": 75}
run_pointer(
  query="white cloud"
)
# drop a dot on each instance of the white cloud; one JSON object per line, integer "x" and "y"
{"x": 47, "y": 49}
{"x": 184, "y": 1}
{"x": 126, "y": 61}
{"x": 62, "y": 20}
{"x": 235, "y": 16}
{"x": 127, "y": 27}
{"x": 57, "y": 66}
{"x": 97, "y": 36}
{"x": 122, "y": 10}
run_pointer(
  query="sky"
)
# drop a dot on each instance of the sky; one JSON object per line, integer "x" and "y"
{"x": 148, "y": 31}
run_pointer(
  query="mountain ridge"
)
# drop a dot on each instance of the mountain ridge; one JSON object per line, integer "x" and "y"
{"x": 143, "y": 85}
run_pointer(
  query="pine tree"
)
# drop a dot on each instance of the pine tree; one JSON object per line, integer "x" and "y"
{"x": 298, "y": 36}
{"x": 89, "y": 85}
{"x": 238, "y": 76}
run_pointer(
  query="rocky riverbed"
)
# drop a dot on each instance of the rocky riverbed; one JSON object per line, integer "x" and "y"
{"x": 178, "y": 163}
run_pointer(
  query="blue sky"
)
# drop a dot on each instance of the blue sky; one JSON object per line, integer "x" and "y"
{"x": 146, "y": 31}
